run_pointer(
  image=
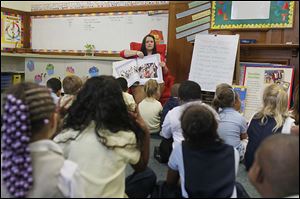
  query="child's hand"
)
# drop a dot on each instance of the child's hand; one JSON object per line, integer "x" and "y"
{"x": 62, "y": 108}
{"x": 140, "y": 54}
{"x": 138, "y": 118}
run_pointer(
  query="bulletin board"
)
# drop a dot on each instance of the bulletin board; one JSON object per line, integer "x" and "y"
{"x": 252, "y": 15}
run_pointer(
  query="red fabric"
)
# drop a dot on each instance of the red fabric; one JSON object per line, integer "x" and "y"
{"x": 122, "y": 54}
{"x": 168, "y": 78}
{"x": 166, "y": 94}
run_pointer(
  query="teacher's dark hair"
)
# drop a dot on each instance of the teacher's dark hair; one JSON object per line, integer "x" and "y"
{"x": 143, "y": 48}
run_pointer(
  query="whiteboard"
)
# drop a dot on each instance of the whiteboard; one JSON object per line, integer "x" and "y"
{"x": 107, "y": 33}
{"x": 213, "y": 60}
{"x": 250, "y": 10}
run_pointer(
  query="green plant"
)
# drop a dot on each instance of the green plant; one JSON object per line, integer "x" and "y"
{"x": 89, "y": 47}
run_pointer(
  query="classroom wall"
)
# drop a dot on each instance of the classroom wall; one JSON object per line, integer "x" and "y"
{"x": 180, "y": 51}
{"x": 17, "y": 5}
{"x": 25, "y": 5}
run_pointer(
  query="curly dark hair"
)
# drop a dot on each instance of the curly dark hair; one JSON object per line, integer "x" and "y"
{"x": 123, "y": 83}
{"x": 199, "y": 127}
{"x": 100, "y": 100}
{"x": 143, "y": 48}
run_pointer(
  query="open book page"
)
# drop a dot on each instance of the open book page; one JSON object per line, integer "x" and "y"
{"x": 139, "y": 70}
{"x": 127, "y": 69}
{"x": 149, "y": 68}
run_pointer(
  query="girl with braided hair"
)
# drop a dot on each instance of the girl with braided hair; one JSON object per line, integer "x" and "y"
{"x": 32, "y": 164}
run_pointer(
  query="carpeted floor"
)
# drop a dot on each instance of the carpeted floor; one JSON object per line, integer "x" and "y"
{"x": 161, "y": 171}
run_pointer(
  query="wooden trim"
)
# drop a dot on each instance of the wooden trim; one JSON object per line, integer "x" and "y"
{"x": 27, "y": 50}
{"x": 101, "y": 10}
{"x": 237, "y": 70}
{"x": 19, "y": 12}
{"x": 271, "y": 46}
{"x": 77, "y": 54}
{"x": 26, "y": 24}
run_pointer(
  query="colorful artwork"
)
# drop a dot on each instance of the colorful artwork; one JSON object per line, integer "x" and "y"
{"x": 158, "y": 35}
{"x": 38, "y": 78}
{"x": 30, "y": 65}
{"x": 94, "y": 71}
{"x": 50, "y": 69}
{"x": 280, "y": 16}
{"x": 70, "y": 70}
{"x": 148, "y": 70}
{"x": 273, "y": 76}
{"x": 11, "y": 31}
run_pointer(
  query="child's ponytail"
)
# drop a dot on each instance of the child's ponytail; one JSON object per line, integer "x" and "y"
{"x": 27, "y": 109}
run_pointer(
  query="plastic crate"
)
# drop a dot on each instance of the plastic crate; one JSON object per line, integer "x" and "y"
{"x": 6, "y": 81}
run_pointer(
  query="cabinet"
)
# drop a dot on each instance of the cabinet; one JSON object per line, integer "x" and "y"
{"x": 17, "y": 64}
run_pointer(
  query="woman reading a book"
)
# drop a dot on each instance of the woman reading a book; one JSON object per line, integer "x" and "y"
{"x": 149, "y": 48}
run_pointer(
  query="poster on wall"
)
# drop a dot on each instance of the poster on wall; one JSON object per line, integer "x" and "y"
{"x": 257, "y": 78}
{"x": 213, "y": 60}
{"x": 11, "y": 31}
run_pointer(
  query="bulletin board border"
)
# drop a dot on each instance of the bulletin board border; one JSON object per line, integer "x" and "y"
{"x": 247, "y": 24}
{"x": 108, "y": 52}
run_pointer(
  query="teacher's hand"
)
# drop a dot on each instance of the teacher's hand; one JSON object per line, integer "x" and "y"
{"x": 140, "y": 54}
{"x": 162, "y": 64}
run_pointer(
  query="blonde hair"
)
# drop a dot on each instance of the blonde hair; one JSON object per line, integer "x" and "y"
{"x": 72, "y": 84}
{"x": 295, "y": 111}
{"x": 275, "y": 104}
{"x": 151, "y": 88}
